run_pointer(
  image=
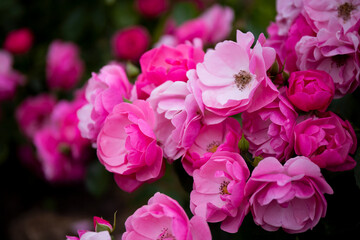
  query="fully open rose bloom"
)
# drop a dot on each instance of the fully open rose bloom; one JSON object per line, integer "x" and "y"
{"x": 223, "y": 136}
{"x": 320, "y": 12}
{"x": 289, "y": 196}
{"x": 63, "y": 65}
{"x": 9, "y": 78}
{"x": 218, "y": 191}
{"x": 177, "y": 116}
{"x": 233, "y": 79}
{"x": 34, "y": 113}
{"x": 103, "y": 92}
{"x": 335, "y": 52}
{"x": 310, "y": 90}
{"x": 166, "y": 63}
{"x": 270, "y": 130}
{"x": 327, "y": 141}
{"x": 163, "y": 218}
{"x": 127, "y": 145}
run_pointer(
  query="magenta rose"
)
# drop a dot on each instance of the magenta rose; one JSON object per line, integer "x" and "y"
{"x": 310, "y": 90}
{"x": 166, "y": 63}
{"x": 19, "y": 41}
{"x": 164, "y": 218}
{"x": 223, "y": 136}
{"x": 232, "y": 79}
{"x": 289, "y": 196}
{"x": 34, "y": 113}
{"x": 270, "y": 130}
{"x": 127, "y": 145}
{"x": 177, "y": 116}
{"x": 103, "y": 91}
{"x": 218, "y": 191}
{"x": 152, "y": 8}
{"x": 130, "y": 43}
{"x": 9, "y": 78}
{"x": 64, "y": 66}
{"x": 327, "y": 141}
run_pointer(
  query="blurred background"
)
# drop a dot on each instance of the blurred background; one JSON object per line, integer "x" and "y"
{"x": 32, "y": 208}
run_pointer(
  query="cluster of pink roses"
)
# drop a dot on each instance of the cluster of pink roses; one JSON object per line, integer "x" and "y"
{"x": 51, "y": 125}
{"x": 321, "y": 35}
{"x": 185, "y": 105}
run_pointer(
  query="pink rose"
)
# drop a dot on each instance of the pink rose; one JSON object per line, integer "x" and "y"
{"x": 218, "y": 20}
{"x": 99, "y": 234}
{"x": 310, "y": 90}
{"x": 152, "y": 8}
{"x": 233, "y": 78}
{"x": 130, "y": 43}
{"x": 164, "y": 218}
{"x": 34, "y": 113}
{"x": 166, "y": 63}
{"x": 64, "y": 67}
{"x": 212, "y": 26}
{"x": 285, "y": 44}
{"x": 270, "y": 130}
{"x": 103, "y": 92}
{"x": 177, "y": 116}
{"x": 102, "y": 223}
{"x": 88, "y": 235}
{"x": 61, "y": 150}
{"x": 321, "y": 12}
{"x": 327, "y": 141}
{"x": 127, "y": 145}
{"x": 336, "y": 53}
{"x": 19, "y": 41}
{"x": 289, "y": 196}
{"x": 9, "y": 78}
{"x": 223, "y": 136}
{"x": 191, "y": 29}
{"x": 287, "y": 12}
{"x": 218, "y": 191}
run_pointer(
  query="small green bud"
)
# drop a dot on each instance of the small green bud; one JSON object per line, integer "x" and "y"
{"x": 243, "y": 144}
{"x": 132, "y": 70}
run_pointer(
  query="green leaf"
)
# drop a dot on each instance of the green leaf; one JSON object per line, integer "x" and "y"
{"x": 184, "y": 11}
{"x": 98, "y": 180}
{"x": 124, "y": 15}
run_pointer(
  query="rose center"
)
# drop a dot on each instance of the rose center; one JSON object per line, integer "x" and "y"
{"x": 344, "y": 11}
{"x": 212, "y": 147}
{"x": 165, "y": 235}
{"x": 340, "y": 60}
{"x": 242, "y": 78}
{"x": 223, "y": 188}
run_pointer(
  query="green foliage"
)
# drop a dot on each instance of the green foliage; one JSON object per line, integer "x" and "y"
{"x": 98, "y": 180}
{"x": 184, "y": 11}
